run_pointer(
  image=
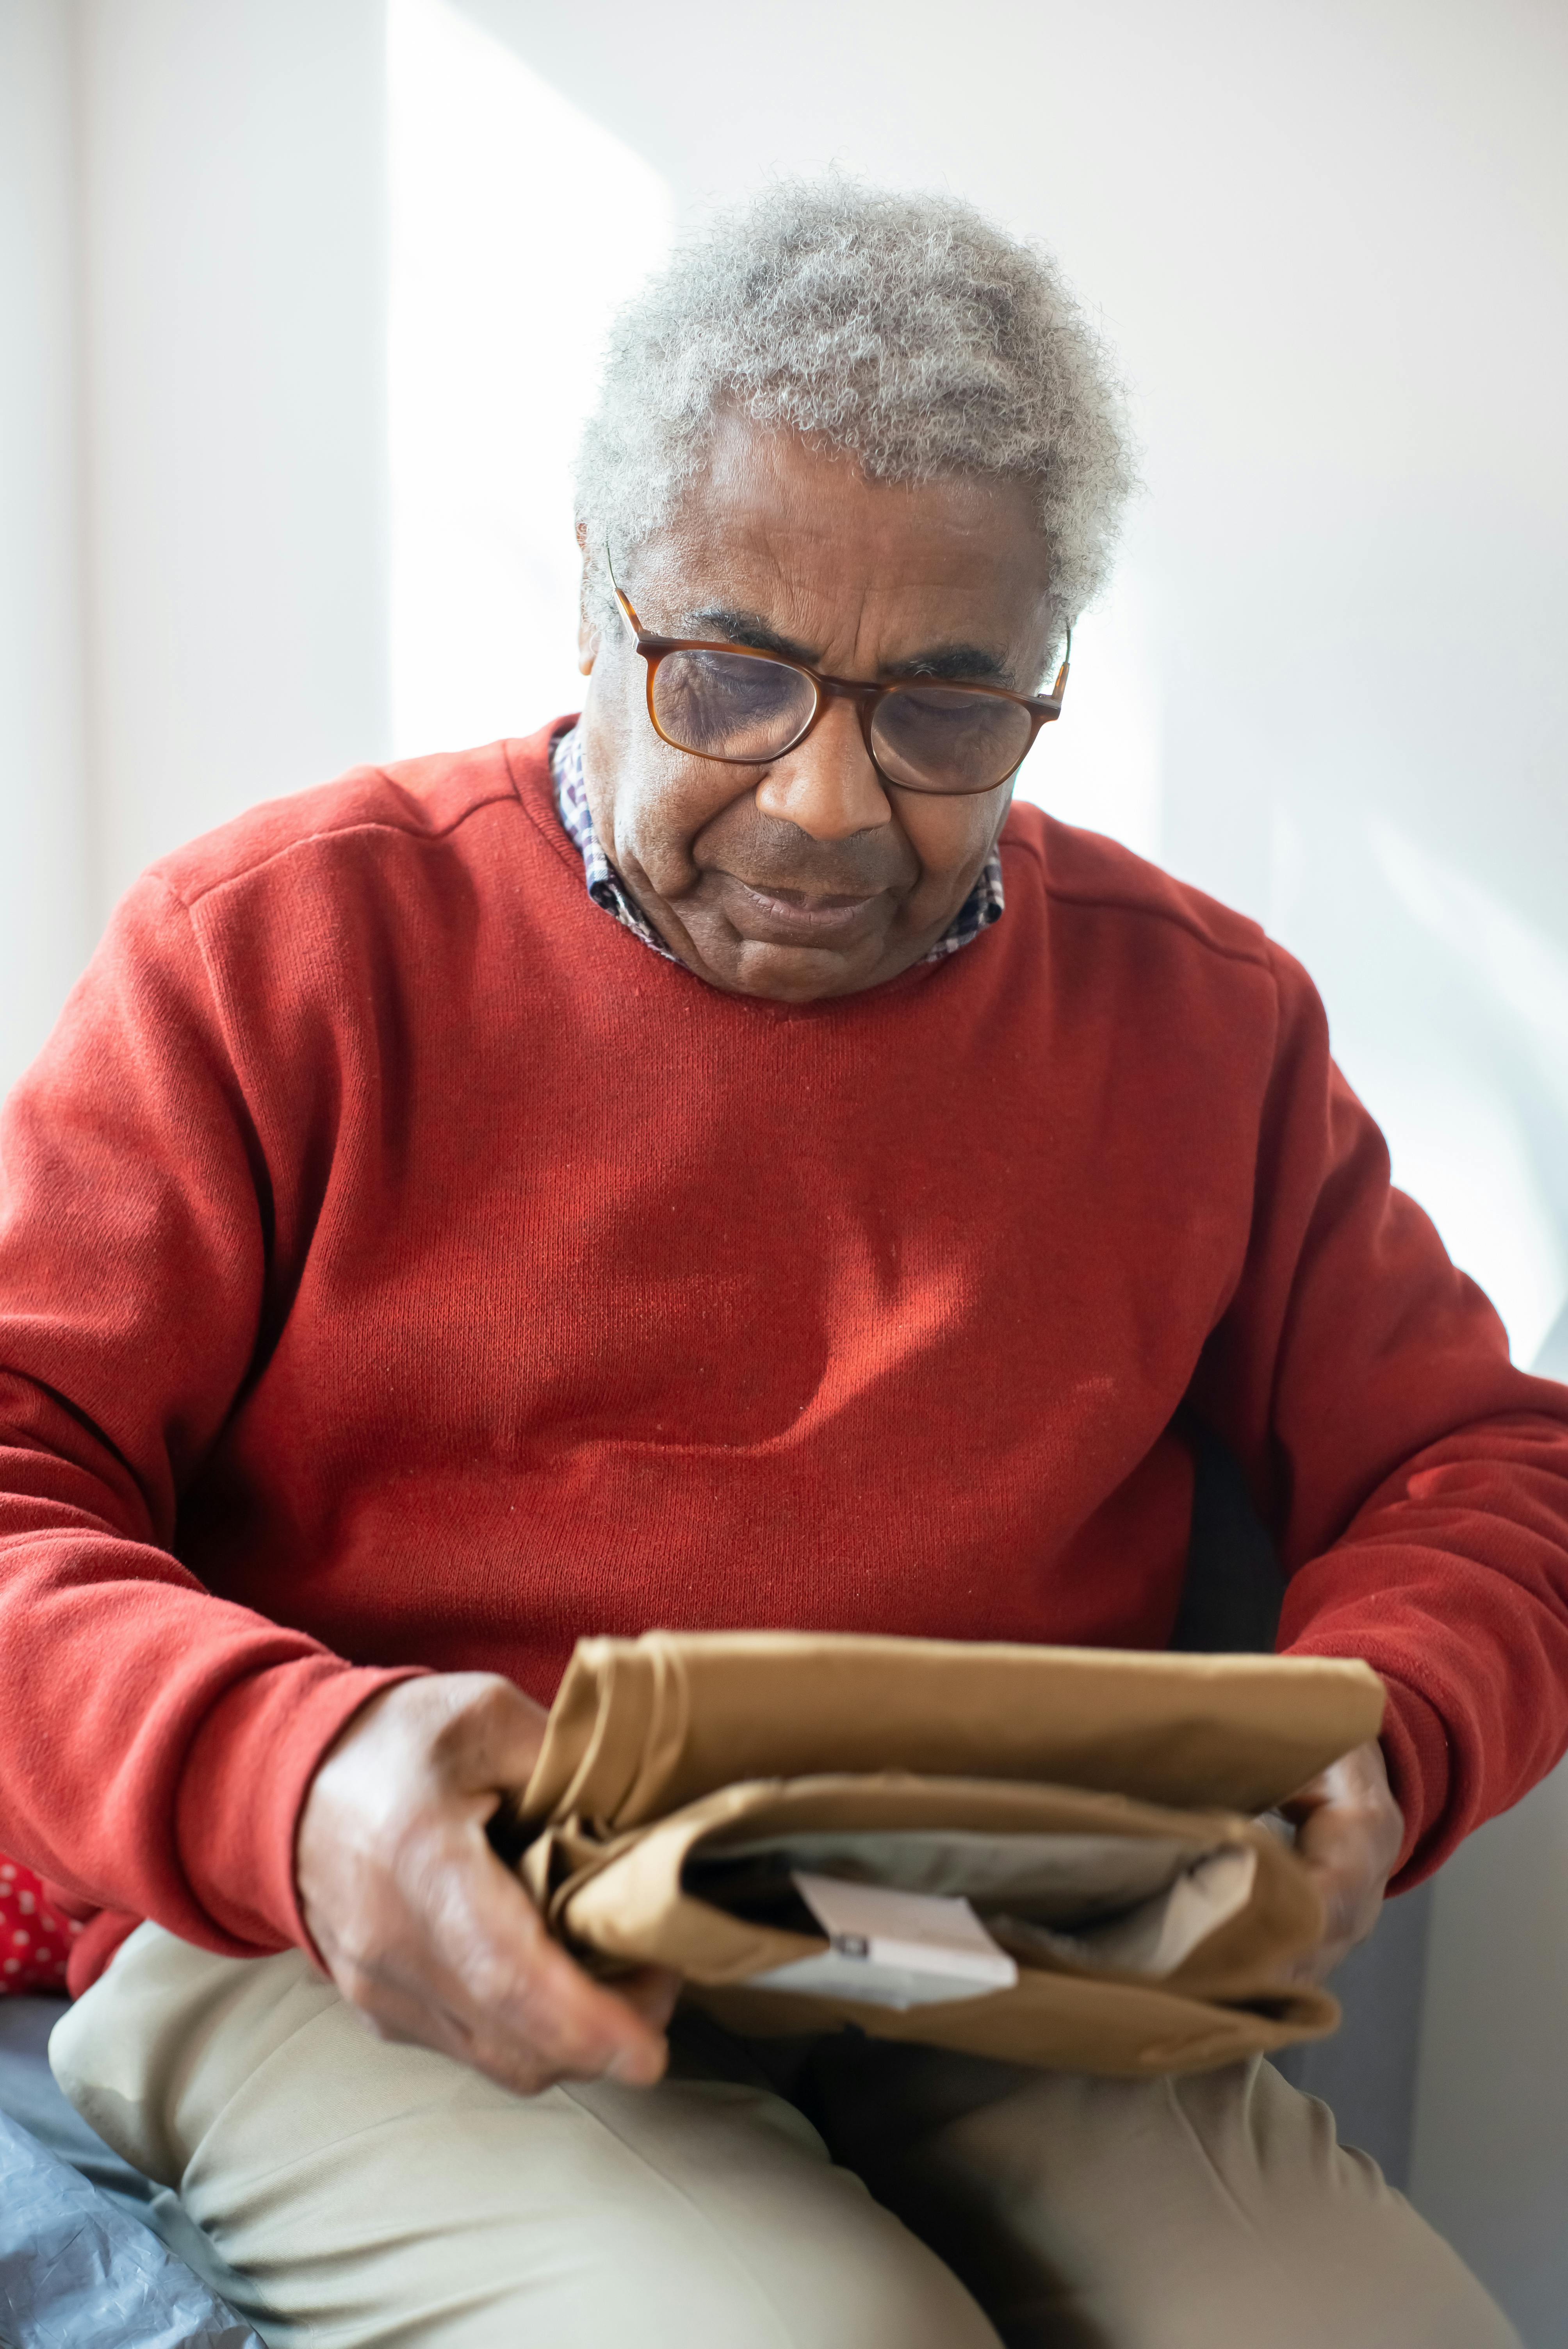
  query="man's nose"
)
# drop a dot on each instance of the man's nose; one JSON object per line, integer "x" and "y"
{"x": 829, "y": 787}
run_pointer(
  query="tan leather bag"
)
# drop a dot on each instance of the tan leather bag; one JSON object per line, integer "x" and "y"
{"x": 679, "y": 1765}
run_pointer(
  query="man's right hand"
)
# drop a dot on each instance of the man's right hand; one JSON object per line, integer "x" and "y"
{"x": 420, "y": 1925}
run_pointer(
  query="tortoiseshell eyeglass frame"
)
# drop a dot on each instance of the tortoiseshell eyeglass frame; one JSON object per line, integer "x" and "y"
{"x": 1043, "y": 707}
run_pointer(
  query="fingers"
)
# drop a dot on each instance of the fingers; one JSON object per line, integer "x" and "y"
{"x": 523, "y": 2011}
{"x": 1349, "y": 1831}
{"x": 652, "y": 1992}
{"x": 536, "y": 2008}
{"x": 422, "y": 1928}
{"x": 551, "y": 2023}
{"x": 1351, "y": 1907}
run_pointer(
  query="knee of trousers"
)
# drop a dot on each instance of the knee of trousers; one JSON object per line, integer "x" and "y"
{"x": 587, "y": 2216}
{"x": 701, "y": 2213}
{"x": 789, "y": 2277}
{"x": 378, "y": 2193}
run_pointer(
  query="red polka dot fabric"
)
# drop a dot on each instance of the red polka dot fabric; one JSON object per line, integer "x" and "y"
{"x": 34, "y": 1938}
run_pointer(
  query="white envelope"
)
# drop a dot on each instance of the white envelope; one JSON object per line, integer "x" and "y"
{"x": 892, "y": 1949}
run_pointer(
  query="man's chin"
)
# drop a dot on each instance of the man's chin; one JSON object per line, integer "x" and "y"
{"x": 800, "y": 974}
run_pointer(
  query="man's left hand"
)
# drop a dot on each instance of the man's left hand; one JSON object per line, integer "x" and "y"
{"x": 1348, "y": 1830}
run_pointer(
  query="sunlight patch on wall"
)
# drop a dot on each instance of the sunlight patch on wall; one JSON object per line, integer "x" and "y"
{"x": 1458, "y": 1141}
{"x": 1458, "y": 1147}
{"x": 518, "y": 226}
{"x": 1508, "y": 957}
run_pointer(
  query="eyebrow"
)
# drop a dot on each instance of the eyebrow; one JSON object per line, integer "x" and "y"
{"x": 971, "y": 664}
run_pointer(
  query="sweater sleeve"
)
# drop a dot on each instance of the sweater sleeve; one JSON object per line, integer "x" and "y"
{"x": 1416, "y": 1482}
{"x": 156, "y": 1742}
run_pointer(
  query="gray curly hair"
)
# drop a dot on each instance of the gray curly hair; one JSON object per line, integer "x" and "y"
{"x": 905, "y": 331}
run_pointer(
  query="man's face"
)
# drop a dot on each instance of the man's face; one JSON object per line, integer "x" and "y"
{"x": 810, "y": 876}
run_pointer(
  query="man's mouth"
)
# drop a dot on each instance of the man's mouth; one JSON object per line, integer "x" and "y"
{"x": 773, "y": 916}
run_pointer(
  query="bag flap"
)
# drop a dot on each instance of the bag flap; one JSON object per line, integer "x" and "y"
{"x": 642, "y": 1727}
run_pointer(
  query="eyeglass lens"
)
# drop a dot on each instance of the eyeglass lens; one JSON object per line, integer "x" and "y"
{"x": 730, "y": 706}
{"x": 927, "y": 737}
{"x": 934, "y": 740}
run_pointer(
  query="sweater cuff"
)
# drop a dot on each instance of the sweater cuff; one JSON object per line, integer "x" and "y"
{"x": 245, "y": 1782}
{"x": 1416, "y": 1748}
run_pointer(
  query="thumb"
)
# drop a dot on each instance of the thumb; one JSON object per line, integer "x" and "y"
{"x": 490, "y": 1735}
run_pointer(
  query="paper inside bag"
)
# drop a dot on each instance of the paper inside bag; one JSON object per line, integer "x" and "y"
{"x": 892, "y": 1949}
{"x": 1138, "y": 1903}
{"x": 1160, "y": 1934}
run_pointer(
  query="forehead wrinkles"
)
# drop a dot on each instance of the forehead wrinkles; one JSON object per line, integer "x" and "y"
{"x": 860, "y": 576}
{"x": 857, "y": 624}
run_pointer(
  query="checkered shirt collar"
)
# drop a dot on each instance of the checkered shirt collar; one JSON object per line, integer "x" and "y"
{"x": 981, "y": 907}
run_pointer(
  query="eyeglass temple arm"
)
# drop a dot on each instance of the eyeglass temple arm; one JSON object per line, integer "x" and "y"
{"x": 624, "y": 601}
{"x": 1061, "y": 686}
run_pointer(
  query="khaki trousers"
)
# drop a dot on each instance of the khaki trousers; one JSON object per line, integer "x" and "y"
{"x": 357, "y": 2195}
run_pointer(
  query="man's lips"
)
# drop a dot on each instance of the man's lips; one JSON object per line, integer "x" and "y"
{"x": 773, "y": 916}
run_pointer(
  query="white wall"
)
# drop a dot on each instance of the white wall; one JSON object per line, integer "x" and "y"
{"x": 1329, "y": 241}
{"x": 232, "y": 212}
{"x": 1491, "y": 2167}
{"x": 46, "y": 924}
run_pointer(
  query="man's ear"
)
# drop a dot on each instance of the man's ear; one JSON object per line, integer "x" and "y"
{"x": 587, "y": 625}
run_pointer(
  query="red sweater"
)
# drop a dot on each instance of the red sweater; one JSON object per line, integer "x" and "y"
{"x": 401, "y": 1266}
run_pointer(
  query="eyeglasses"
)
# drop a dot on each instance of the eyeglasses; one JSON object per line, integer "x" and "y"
{"x": 727, "y": 702}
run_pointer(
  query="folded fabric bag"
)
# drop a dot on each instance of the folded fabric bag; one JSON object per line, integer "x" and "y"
{"x": 1043, "y": 1855}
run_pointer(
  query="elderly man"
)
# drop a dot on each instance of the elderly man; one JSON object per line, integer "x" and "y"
{"x": 833, "y": 1215}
